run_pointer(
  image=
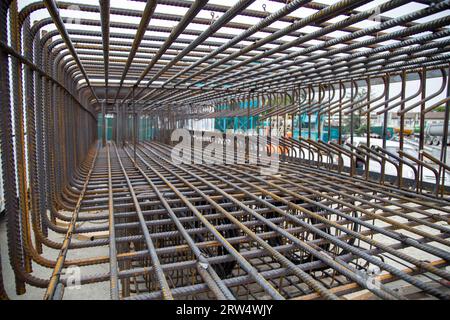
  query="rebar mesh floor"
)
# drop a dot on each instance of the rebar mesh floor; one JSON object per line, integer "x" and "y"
{"x": 218, "y": 230}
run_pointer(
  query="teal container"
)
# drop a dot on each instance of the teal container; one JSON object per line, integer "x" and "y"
{"x": 146, "y": 130}
{"x": 315, "y": 123}
{"x": 236, "y": 123}
{"x": 109, "y": 126}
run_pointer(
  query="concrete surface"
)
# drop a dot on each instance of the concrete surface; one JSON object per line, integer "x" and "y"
{"x": 96, "y": 291}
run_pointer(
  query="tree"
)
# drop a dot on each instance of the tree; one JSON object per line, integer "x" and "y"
{"x": 439, "y": 109}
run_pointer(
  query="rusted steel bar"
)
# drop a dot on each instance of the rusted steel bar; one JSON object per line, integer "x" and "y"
{"x": 54, "y": 280}
{"x": 145, "y": 20}
{"x": 53, "y": 11}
